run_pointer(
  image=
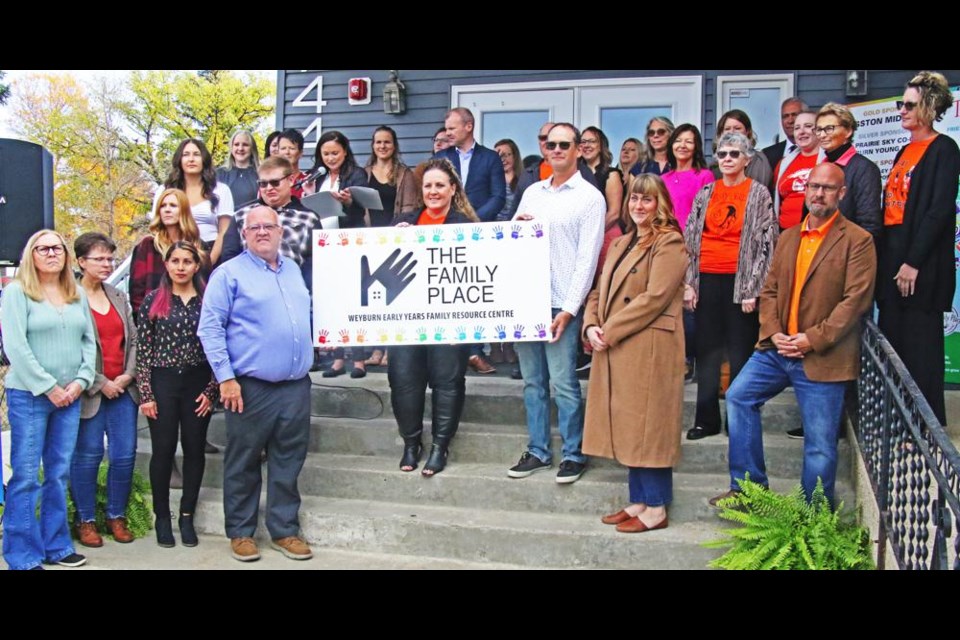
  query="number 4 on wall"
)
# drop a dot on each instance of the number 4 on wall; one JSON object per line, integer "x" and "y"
{"x": 303, "y": 101}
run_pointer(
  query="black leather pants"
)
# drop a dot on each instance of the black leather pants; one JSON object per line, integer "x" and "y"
{"x": 410, "y": 369}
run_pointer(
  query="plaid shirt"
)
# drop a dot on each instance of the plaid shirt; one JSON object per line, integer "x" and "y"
{"x": 297, "y": 223}
{"x": 146, "y": 272}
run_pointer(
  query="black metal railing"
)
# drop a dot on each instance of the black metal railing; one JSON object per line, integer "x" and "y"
{"x": 913, "y": 466}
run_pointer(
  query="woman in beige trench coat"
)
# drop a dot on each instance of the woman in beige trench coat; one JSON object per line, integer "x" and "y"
{"x": 634, "y": 324}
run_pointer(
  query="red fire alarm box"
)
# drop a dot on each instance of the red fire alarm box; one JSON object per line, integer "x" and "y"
{"x": 358, "y": 91}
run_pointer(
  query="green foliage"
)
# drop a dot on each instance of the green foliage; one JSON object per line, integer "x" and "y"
{"x": 139, "y": 513}
{"x": 786, "y": 532}
{"x": 4, "y": 89}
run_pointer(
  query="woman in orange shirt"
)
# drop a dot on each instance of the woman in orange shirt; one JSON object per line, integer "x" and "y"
{"x": 730, "y": 236}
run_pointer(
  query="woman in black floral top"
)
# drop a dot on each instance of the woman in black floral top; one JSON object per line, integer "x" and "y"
{"x": 177, "y": 388}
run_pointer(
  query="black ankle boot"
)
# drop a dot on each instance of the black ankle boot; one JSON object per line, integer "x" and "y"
{"x": 188, "y": 535}
{"x": 164, "y": 528}
{"x": 411, "y": 454}
{"x": 437, "y": 461}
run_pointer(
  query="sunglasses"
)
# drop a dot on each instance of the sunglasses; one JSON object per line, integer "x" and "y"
{"x": 263, "y": 184}
{"x": 565, "y": 145}
{"x": 542, "y": 138}
{"x": 656, "y": 132}
{"x": 909, "y": 106}
{"x": 734, "y": 153}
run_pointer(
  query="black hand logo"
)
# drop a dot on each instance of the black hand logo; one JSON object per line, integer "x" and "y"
{"x": 393, "y": 275}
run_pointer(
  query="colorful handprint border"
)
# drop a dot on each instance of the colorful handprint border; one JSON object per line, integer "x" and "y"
{"x": 460, "y": 234}
{"x": 441, "y": 332}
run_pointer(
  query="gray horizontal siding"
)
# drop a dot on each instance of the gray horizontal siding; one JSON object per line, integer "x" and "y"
{"x": 428, "y": 97}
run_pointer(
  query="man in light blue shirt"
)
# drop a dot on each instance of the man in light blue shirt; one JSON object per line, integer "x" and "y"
{"x": 255, "y": 330}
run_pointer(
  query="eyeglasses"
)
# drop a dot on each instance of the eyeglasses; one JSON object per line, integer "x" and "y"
{"x": 827, "y": 188}
{"x": 441, "y": 140}
{"x": 733, "y": 153}
{"x": 257, "y": 228}
{"x": 656, "y": 132}
{"x": 263, "y": 184}
{"x": 829, "y": 129}
{"x": 588, "y": 141}
{"x": 909, "y": 106}
{"x": 565, "y": 145}
{"x": 542, "y": 138}
{"x": 56, "y": 249}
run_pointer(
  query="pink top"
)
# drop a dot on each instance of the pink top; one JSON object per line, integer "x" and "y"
{"x": 683, "y": 187}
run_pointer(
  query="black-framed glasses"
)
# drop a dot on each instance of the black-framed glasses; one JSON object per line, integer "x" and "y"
{"x": 441, "y": 140}
{"x": 55, "y": 249}
{"x": 829, "y": 129}
{"x": 656, "y": 132}
{"x": 263, "y": 184}
{"x": 564, "y": 145}
{"x": 827, "y": 188}
{"x": 733, "y": 153}
{"x": 257, "y": 228}
{"x": 909, "y": 106}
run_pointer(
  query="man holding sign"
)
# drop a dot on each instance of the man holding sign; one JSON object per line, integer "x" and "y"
{"x": 575, "y": 210}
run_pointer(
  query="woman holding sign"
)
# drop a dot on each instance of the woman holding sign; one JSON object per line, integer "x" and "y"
{"x": 916, "y": 276}
{"x": 442, "y": 366}
{"x": 633, "y": 321}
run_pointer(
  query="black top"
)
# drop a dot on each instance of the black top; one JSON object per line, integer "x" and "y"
{"x": 242, "y": 183}
{"x": 388, "y": 197}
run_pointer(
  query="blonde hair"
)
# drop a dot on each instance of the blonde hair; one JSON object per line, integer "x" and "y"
{"x": 935, "y": 96}
{"x": 29, "y": 279}
{"x": 188, "y": 226}
{"x": 664, "y": 220}
{"x": 460, "y": 202}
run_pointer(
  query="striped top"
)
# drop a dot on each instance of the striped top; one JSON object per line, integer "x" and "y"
{"x": 47, "y": 346}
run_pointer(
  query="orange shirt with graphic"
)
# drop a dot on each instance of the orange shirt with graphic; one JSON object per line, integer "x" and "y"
{"x": 545, "y": 170}
{"x": 426, "y": 219}
{"x": 898, "y": 184}
{"x": 792, "y": 187}
{"x": 810, "y": 241}
{"x": 720, "y": 245}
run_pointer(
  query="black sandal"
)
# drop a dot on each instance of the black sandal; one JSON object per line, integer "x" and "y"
{"x": 437, "y": 461}
{"x": 699, "y": 432}
{"x": 411, "y": 457}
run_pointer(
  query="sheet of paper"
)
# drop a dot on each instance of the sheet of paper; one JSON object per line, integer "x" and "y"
{"x": 323, "y": 204}
{"x": 367, "y": 198}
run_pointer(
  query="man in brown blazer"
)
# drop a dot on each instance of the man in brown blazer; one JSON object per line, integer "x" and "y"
{"x": 820, "y": 284}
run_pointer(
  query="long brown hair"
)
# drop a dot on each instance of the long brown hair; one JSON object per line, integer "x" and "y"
{"x": 664, "y": 220}
{"x": 29, "y": 279}
{"x": 460, "y": 202}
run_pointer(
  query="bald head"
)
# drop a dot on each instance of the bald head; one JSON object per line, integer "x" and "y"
{"x": 261, "y": 230}
{"x": 544, "y": 130}
{"x": 824, "y": 190}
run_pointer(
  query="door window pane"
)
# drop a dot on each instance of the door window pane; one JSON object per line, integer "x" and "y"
{"x": 763, "y": 107}
{"x": 620, "y": 123}
{"x": 520, "y": 126}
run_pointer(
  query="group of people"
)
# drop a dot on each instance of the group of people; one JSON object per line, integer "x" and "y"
{"x": 768, "y": 260}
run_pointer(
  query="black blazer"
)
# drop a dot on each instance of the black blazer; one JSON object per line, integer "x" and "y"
{"x": 926, "y": 237}
{"x": 774, "y": 154}
{"x": 486, "y": 186}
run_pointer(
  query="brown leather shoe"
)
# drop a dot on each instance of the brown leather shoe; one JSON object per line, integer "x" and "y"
{"x": 88, "y": 535}
{"x": 616, "y": 518}
{"x": 118, "y": 529}
{"x": 480, "y": 365}
{"x": 715, "y": 500}
{"x": 294, "y": 547}
{"x": 244, "y": 549}
{"x": 636, "y": 525}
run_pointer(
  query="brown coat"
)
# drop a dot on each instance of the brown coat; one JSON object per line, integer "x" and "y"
{"x": 407, "y": 190}
{"x": 635, "y": 397}
{"x": 90, "y": 399}
{"x": 835, "y": 295}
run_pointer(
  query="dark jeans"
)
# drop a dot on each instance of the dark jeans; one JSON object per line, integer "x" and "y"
{"x": 649, "y": 486}
{"x": 917, "y": 337}
{"x": 276, "y": 417}
{"x": 722, "y": 328}
{"x": 176, "y": 392}
{"x": 409, "y": 371}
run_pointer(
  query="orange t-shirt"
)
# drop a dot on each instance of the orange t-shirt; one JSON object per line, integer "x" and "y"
{"x": 425, "y": 218}
{"x": 720, "y": 245}
{"x": 810, "y": 241}
{"x": 545, "y": 170}
{"x": 792, "y": 187}
{"x": 898, "y": 184}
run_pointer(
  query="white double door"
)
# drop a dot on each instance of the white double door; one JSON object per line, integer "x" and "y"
{"x": 621, "y": 107}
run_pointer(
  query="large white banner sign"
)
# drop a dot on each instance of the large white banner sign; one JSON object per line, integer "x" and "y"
{"x": 437, "y": 284}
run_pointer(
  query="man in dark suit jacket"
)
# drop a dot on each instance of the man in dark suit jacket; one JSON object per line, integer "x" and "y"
{"x": 819, "y": 286}
{"x": 789, "y": 110}
{"x": 479, "y": 168}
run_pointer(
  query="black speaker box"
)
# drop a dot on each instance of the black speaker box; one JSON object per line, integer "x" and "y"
{"x": 26, "y": 195}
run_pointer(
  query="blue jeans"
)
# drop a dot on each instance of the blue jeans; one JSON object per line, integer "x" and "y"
{"x": 117, "y": 419}
{"x": 652, "y": 487}
{"x": 38, "y": 431}
{"x": 543, "y": 363}
{"x": 766, "y": 374}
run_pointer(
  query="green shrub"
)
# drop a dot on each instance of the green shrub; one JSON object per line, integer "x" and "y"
{"x": 139, "y": 511}
{"x": 786, "y": 532}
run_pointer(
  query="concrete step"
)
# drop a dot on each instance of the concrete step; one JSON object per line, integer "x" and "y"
{"x": 485, "y": 536}
{"x": 491, "y": 401}
{"x": 502, "y": 444}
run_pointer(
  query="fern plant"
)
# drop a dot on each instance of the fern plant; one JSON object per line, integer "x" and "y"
{"x": 786, "y": 532}
{"x": 139, "y": 512}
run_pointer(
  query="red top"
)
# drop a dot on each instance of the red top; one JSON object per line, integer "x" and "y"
{"x": 110, "y": 328}
{"x": 545, "y": 170}
{"x": 792, "y": 187}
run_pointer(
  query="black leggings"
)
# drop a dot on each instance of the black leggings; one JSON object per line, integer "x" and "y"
{"x": 176, "y": 391}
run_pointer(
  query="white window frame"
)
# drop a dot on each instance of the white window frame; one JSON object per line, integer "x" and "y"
{"x": 758, "y": 81}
